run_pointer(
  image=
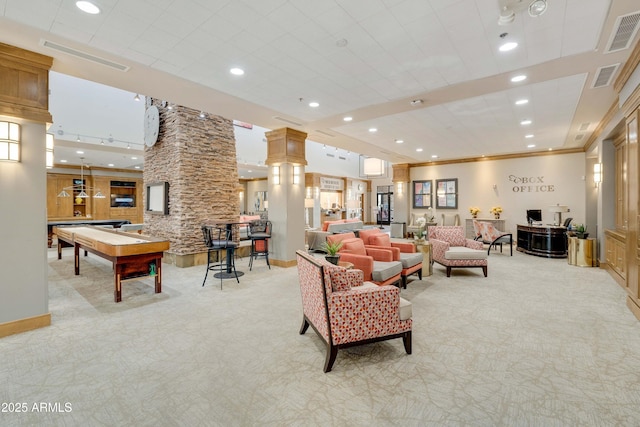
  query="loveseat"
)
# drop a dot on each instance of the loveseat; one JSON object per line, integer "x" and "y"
{"x": 317, "y": 238}
{"x": 346, "y": 311}
{"x": 451, "y": 249}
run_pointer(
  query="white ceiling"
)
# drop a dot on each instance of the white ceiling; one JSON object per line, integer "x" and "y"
{"x": 444, "y": 52}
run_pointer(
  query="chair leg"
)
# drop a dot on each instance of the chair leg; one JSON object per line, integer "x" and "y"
{"x": 207, "y": 272}
{"x": 304, "y": 326}
{"x": 404, "y": 282}
{"x": 484, "y": 270}
{"x": 406, "y": 340}
{"x": 253, "y": 251}
{"x": 448, "y": 271}
{"x": 420, "y": 274}
{"x": 332, "y": 352}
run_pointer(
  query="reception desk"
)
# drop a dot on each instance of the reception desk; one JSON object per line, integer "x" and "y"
{"x": 543, "y": 240}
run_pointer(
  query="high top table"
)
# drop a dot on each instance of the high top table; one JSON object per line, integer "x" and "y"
{"x": 132, "y": 255}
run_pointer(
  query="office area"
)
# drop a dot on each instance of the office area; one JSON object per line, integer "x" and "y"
{"x": 562, "y": 171}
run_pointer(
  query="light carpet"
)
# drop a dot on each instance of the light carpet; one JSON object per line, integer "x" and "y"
{"x": 537, "y": 343}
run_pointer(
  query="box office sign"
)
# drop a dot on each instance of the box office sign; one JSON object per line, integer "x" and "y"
{"x": 530, "y": 184}
{"x": 331, "y": 184}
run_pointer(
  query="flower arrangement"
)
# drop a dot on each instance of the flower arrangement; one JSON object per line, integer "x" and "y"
{"x": 421, "y": 221}
{"x": 474, "y": 210}
{"x": 496, "y": 210}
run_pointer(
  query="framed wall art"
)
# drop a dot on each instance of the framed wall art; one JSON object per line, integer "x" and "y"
{"x": 447, "y": 193}
{"x": 422, "y": 191}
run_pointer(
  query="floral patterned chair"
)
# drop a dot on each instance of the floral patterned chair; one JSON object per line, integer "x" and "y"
{"x": 404, "y": 252}
{"x": 346, "y": 311}
{"x": 452, "y": 250}
{"x": 488, "y": 234}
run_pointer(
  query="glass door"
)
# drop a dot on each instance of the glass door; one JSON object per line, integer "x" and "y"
{"x": 385, "y": 205}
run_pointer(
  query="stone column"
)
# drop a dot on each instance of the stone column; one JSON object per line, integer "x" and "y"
{"x": 197, "y": 157}
{"x": 286, "y": 151}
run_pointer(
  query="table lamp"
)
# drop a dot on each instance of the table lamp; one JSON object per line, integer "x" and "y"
{"x": 557, "y": 213}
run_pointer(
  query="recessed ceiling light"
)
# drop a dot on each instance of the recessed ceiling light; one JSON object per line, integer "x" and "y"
{"x": 531, "y": 145}
{"x": 522, "y": 101}
{"x": 88, "y": 7}
{"x": 519, "y": 78}
{"x": 508, "y": 46}
{"x": 236, "y": 71}
{"x": 434, "y": 156}
{"x": 63, "y": 161}
{"x": 419, "y": 150}
{"x": 134, "y": 158}
{"x": 373, "y": 130}
{"x": 529, "y": 136}
{"x": 399, "y": 141}
{"x": 416, "y": 102}
{"x": 79, "y": 152}
{"x": 314, "y": 104}
{"x": 347, "y": 119}
{"x": 250, "y": 170}
{"x": 137, "y": 167}
{"x": 525, "y": 122}
{"x": 110, "y": 165}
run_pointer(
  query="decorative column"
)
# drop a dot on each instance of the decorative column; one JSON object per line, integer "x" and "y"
{"x": 286, "y": 192}
{"x": 401, "y": 192}
{"x": 24, "y": 103}
{"x": 197, "y": 157}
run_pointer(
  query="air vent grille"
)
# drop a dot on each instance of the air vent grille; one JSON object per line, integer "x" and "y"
{"x": 83, "y": 55}
{"x": 324, "y": 133}
{"x": 604, "y": 75}
{"x": 584, "y": 127}
{"x": 282, "y": 119}
{"x": 579, "y": 136}
{"x": 624, "y": 31}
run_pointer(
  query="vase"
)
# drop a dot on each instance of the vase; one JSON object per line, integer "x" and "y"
{"x": 333, "y": 259}
{"x": 497, "y": 216}
{"x": 474, "y": 216}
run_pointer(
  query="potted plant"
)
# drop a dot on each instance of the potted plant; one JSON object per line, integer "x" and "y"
{"x": 581, "y": 231}
{"x": 332, "y": 248}
{"x": 474, "y": 211}
{"x": 496, "y": 211}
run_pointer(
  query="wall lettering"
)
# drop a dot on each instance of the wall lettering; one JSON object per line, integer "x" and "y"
{"x": 533, "y": 186}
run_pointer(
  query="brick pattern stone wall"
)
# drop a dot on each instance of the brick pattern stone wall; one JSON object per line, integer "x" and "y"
{"x": 197, "y": 157}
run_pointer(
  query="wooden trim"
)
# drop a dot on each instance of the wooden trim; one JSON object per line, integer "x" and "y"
{"x": 633, "y": 307}
{"x": 631, "y": 103}
{"x": 604, "y": 122}
{"x": 282, "y": 263}
{"x": 500, "y": 157}
{"x": 96, "y": 168}
{"x": 42, "y": 61}
{"x": 628, "y": 68}
{"x": 24, "y": 325}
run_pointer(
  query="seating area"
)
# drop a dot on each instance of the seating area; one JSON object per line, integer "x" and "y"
{"x": 345, "y": 310}
{"x": 452, "y": 250}
{"x": 317, "y": 238}
{"x": 488, "y": 234}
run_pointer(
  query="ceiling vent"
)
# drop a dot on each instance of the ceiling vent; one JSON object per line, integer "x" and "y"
{"x": 83, "y": 55}
{"x": 330, "y": 155}
{"x": 579, "y": 136}
{"x": 624, "y": 31}
{"x": 291, "y": 122}
{"x": 584, "y": 127}
{"x": 325, "y": 133}
{"x": 604, "y": 75}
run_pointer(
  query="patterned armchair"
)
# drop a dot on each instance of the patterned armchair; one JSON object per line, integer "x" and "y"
{"x": 346, "y": 312}
{"x": 488, "y": 234}
{"x": 402, "y": 251}
{"x": 377, "y": 264}
{"x": 452, "y": 250}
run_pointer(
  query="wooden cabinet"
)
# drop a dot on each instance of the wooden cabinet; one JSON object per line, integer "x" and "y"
{"x": 58, "y": 207}
{"x": 615, "y": 248}
{"x": 101, "y": 207}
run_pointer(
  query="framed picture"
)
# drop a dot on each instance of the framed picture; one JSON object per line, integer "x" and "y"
{"x": 422, "y": 191}
{"x": 447, "y": 193}
{"x": 158, "y": 198}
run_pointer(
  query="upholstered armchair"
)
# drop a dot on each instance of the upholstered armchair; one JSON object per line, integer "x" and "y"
{"x": 346, "y": 311}
{"x": 452, "y": 250}
{"x": 488, "y": 234}
{"x": 402, "y": 251}
{"x": 377, "y": 264}
{"x": 450, "y": 219}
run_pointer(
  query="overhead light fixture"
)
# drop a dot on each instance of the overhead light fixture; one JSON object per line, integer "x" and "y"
{"x": 81, "y": 190}
{"x": 236, "y": 71}
{"x": 169, "y": 107}
{"x": 506, "y": 47}
{"x": 49, "y": 151}
{"x": 348, "y": 119}
{"x": 373, "y": 130}
{"x": 525, "y": 122}
{"x": 88, "y": 7}
{"x": 531, "y": 146}
{"x": 78, "y": 138}
{"x": 136, "y": 98}
{"x": 518, "y": 78}
{"x": 419, "y": 150}
{"x": 201, "y": 115}
{"x": 522, "y": 101}
{"x": 399, "y": 141}
{"x": 416, "y": 102}
{"x": 506, "y": 16}
{"x": 529, "y": 135}
{"x": 9, "y": 141}
{"x": 537, "y": 8}
{"x": 314, "y": 104}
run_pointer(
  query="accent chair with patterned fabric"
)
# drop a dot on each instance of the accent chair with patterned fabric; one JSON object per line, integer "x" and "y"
{"x": 404, "y": 252}
{"x": 488, "y": 234}
{"x": 376, "y": 263}
{"x": 452, "y": 250}
{"x": 345, "y": 311}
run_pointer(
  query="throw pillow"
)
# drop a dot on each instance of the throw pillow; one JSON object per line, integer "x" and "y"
{"x": 354, "y": 246}
{"x": 381, "y": 240}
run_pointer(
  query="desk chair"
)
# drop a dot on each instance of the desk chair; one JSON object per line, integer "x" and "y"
{"x": 218, "y": 239}
{"x": 259, "y": 233}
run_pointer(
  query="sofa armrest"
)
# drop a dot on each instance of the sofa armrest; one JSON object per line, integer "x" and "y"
{"x": 439, "y": 247}
{"x": 404, "y": 247}
{"x": 473, "y": 244}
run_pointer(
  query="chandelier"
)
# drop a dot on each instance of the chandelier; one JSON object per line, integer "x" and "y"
{"x": 80, "y": 190}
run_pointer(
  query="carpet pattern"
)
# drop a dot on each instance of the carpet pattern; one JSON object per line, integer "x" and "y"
{"x": 537, "y": 343}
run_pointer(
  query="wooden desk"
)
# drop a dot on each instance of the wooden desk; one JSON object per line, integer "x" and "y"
{"x": 541, "y": 240}
{"x": 132, "y": 255}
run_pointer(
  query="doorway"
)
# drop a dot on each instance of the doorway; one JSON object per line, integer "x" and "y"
{"x": 384, "y": 204}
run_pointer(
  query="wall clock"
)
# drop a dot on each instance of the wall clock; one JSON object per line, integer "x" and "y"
{"x": 151, "y": 125}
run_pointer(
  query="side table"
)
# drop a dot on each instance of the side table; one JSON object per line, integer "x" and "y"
{"x": 425, "y": 248}
{"x": 582, "y": 252}
{"x": 345, "y": 264}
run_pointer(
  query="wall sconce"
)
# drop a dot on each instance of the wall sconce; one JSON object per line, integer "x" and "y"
{"x": 316, "y": 192}
{"x": 241, "y": 195}
{"x": 9, "y": 141}
{"x": 276, "y": 175}
{"x": 400, "y": 187}
{"x": 49, "y": 151}
{"x": 307, "y": 193}
{"x": 597, "y": 174}
{"x": 296, "y": 175}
